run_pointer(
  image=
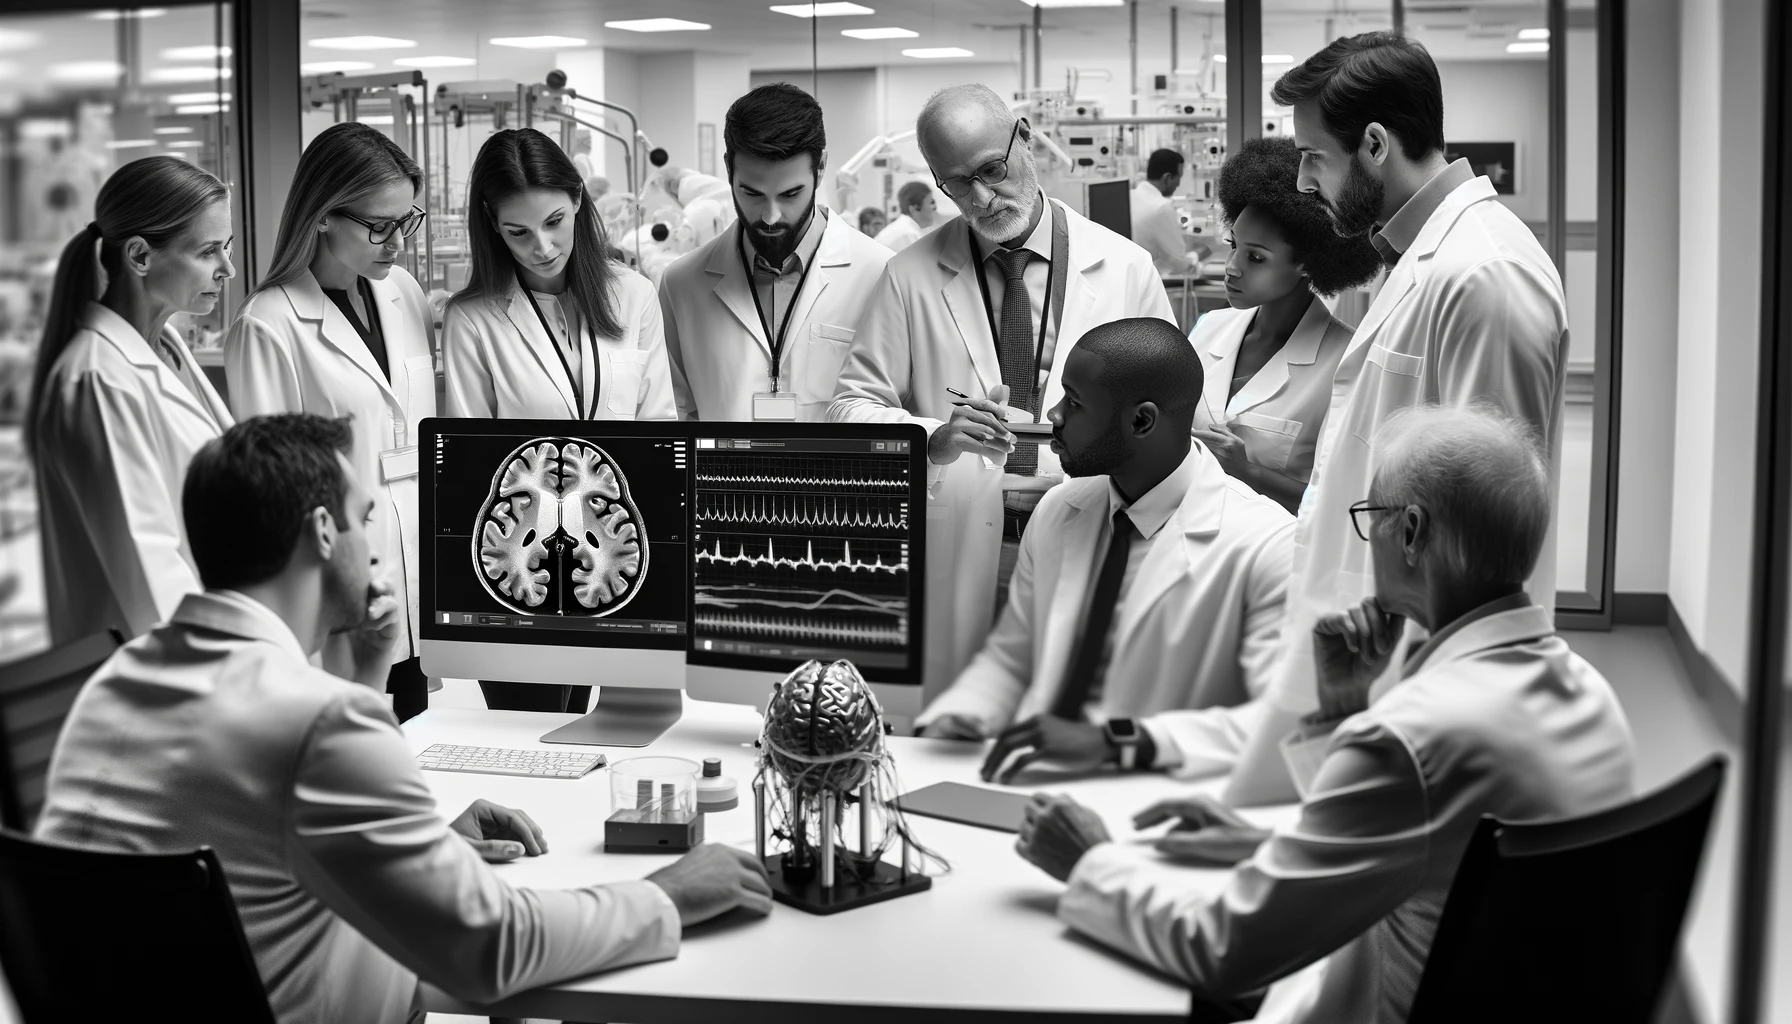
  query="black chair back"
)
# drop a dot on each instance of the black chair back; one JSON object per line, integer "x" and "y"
{"x": 1570, "y": 921}
{"x": 35, "y": 695}
{"x": 89, "y": 935}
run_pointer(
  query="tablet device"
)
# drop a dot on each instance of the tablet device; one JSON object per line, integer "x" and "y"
{"x": 1031, "y": 431}
{"x": 1001, "y": 810}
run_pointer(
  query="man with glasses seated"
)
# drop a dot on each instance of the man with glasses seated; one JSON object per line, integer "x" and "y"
{"x": 1493, "y": 715}
{"x": 968, "y": 330}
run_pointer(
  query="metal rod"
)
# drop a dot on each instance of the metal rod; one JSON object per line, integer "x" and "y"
{"x": 759, "y": 817}
{"x": 865, "y": 820}
{"x": 1175, "y": 46}
{"x": 1132, "y": 46}
{"x": 905, "y": 845}
{"x": 1023, "y": 59}
{"x": 1039, "y": 45}
{"x": 829, "y": 800}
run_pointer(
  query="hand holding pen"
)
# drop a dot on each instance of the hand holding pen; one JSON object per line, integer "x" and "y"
{"x": 979, "y": 426}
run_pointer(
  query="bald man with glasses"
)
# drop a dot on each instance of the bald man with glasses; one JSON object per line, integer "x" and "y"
{"x": 984, "y": 307}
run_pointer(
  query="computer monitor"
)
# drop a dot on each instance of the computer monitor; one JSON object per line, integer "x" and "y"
{"x": 1110, "y": 205}
{"x": 648, "y": 557}
{"x": 808, "y": 541}
{"x": 558, "y": 552}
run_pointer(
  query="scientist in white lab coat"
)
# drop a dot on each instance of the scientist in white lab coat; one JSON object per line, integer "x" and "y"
{"x": 1147, "y": 602}
{"x": 989, "y": 306}
{"x": 769, "y": 343}
{"x": 337, "y": 328}
{"x": 1472, "y": 311}
{"x": 118, "y": 406}
{"x": 1494, "y": 715}
{"x": 918, "y": 212}
{"x": 1155, "y": 224}
{"x": 548, "y": 327}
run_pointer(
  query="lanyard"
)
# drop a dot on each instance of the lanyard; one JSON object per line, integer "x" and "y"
{"x": 1054, "y": 288}
{"x": 578, "y": 394}
{"x": 777, "y": 342}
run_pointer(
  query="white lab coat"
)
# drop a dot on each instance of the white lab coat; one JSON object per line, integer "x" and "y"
{"x": 1500, "y": 718}
{"x": 115, "y": 432}
{"x": 1156, "y": 227}
{"x": 694, "y": 186}
{"x": 292, "y": 350}
{"x": 1198, "y": 629}
{"x": 500, "y": 363}
{"x": 900, "y": 233}
{"x": 1472, "y": 313}
{"x": 925, "y": 330}
{"x": 716, "y": 344}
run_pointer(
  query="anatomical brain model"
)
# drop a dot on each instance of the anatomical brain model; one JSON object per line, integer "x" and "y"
{"x": 559, "y": 534}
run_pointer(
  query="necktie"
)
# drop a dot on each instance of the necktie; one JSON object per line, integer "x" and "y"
{"x": 1015, "y": 352}
{"x": 1081, "y": 679}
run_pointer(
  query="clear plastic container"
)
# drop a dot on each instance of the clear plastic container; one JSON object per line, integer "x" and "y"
{"x": 650, "y": 789}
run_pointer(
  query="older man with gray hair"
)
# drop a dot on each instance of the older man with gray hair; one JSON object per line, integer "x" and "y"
{"x": 1493, "y": 715}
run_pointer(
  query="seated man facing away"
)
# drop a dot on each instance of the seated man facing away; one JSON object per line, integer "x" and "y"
{"x": 1493, "y": 715}
{"x": 212, "y": 729}
{"x": 1149, "y": 587}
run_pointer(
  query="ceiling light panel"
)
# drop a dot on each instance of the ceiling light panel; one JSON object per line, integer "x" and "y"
{"x": 435, "y": 62}
{"x": 880, "y": 33}
{"x": 14, "y": 39}
{"x": 938, "y": 52}
{"x": 86, "y": 71}
{"x": 174, "y": 129}
{"x": 203, "y": 108}
{"x": 190, "y": 73}
{"x": 540, "y": 42}
{"x": 658, "y": 25}
{"x": 1073, "y": 3}
{"x": 1533, "y": 33}
{"x": 1527, "y": 47}
{"x": 196, "y": 53}
{"x": 821, "y": 10}
{"x": 362, "y": 43}
{"x": 141, "y": 12}
{"x": 198, "y": 97}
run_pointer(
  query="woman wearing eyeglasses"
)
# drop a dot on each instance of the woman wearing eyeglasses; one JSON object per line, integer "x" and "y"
{"x": 337, "y": 328}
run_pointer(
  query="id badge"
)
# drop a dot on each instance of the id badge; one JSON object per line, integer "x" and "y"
{"x": 398, "y": 464}
{"x": 774, "y": 407}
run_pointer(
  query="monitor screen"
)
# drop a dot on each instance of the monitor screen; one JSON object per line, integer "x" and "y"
{"x": 556, "y": 533}
{"x": 806, "y": 543}
{"x": 1110, "y": 205}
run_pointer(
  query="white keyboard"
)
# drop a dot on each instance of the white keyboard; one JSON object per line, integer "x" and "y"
{"x": 538, "y": 764}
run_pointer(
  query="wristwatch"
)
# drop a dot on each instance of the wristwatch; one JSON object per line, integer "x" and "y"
{"x": 1124, "y": 734}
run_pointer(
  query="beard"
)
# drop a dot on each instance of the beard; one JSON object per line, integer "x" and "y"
{"x": 344, "y": 598}
{"x": 776, "y": 242}
{"x": 1005, "y": 219}
{"x": 1101, "y": 455}
{"x": 1359, "y": 202}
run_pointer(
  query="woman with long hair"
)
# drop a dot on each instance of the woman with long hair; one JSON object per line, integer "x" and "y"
{"x": 118, "y": 406}
{"x": 548, "y": 326}
{"x": 338, "y": 328}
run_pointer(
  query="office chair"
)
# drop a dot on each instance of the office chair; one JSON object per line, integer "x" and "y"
{"x": 35, "y": 695}
{"x": 1570, "y": 921}
{"x": 89, "y": 935}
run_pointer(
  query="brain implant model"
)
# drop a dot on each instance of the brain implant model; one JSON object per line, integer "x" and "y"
{"x": 822, "y": 748}
{"x": 559, "y": 533}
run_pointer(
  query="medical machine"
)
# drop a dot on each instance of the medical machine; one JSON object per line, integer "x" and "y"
{"x": 648, "y": 557}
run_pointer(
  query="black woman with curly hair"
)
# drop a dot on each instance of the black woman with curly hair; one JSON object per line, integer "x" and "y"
{"x": 1270, "y": 357}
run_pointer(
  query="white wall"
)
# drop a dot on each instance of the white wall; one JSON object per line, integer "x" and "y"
{"x": 721, "y": 79}
{"x": 1504, "y": 101}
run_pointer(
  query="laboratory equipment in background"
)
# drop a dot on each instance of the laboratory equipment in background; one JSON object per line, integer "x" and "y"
{"x": 653, "y": 806}
{"x": 716, "y": 792}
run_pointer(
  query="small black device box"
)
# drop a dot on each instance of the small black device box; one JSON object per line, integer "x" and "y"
{"x": 624, "y": 836}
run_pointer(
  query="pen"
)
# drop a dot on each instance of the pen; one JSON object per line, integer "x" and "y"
{"x": 955, "y": 391}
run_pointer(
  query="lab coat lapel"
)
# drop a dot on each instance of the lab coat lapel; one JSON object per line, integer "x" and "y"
{"x": 1400, "y": 281}
{"x": 310, "y": 303}
{"x": 1301, "y": 349}
{"x": 1178, "y": 547}
{"x": 964, "y": 301}
{"x": 1080, "y": 313}
{"x": 141, "y": 354}
{"x": 1220, "y": 359}
{"x": 1080, "y": 534}
{"x": 541, "y": 346}
{"x": 1405, "y": 273}
{"x": 832, "y": 252}
{"x": 732, "y": 286}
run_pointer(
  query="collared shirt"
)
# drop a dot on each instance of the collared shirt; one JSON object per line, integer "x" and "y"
{"x": 1038, "y": 270}
{"x": 1402, "y": 229}
{"x": 1149, "y": 514}
{"x": 277, "y": 628}
{"x": 777, "y": 285}
{"x": 1509, "y": 603}
{"x": 560, "y": 329}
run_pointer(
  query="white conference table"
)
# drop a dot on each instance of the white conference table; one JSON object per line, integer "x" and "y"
{"x": 982, "y": 944}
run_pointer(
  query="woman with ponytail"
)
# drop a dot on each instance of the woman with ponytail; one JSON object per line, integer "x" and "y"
{"x": 118, "y": 406}
{"x": 338, "y": 328}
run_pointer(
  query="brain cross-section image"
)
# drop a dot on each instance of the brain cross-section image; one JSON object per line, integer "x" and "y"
{"x": 560, "y": 534}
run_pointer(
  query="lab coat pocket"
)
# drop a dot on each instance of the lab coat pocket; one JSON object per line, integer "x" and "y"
{"x": 1390, "y": 381}
{"x": 823, "y": 358}
{"x": 420, "y": 387}
{"x": 1268, "y": 440}
{"x": 626, "y": 371}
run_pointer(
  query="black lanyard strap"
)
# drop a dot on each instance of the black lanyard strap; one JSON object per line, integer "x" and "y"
{"x": 578, "y": 393}
{"x": 776, "y": 342}
{"x": 1054, "y": 289}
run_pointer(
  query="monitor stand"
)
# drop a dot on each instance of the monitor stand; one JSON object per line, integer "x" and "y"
{"x": 623, "y": 716}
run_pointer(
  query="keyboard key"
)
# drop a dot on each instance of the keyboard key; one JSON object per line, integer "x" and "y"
{"x": 541, "y": 764}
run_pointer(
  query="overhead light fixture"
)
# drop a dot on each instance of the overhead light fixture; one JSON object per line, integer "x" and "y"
{"x": 186, "y": 144}
{"x": 196, "y": 53}
{"x": 1073, "y": 3}
{"x": 435, "y": 62}
{"x": 180, "y": 98}
{"x": 45, "y": 128}
{"x": 201, "y": 108}
{"x": 540, "y": 42}
{"x": 1219, "y": 58}
{"x": 821, "y": 10}
{"x": 325, "y": 67}
{"x": 1278, "y": 58}
{"x": 141, "y": 12}
{"x": 879, "y": 33}
{"x": 174, "y": 129}
{"x": 1533, "y": 33}
{"x": 936, "y": 52}
{"x": 130, "y": 143}
{"x": 1527, "y": 47}
{"x": 190, "y": 73}
{"x": 658, "y": 25}
{"x": 376, "y": 119}
{"x": 87, "y": 71}
{"x": 14, "y": 39}
{"x": 362, "y": 43}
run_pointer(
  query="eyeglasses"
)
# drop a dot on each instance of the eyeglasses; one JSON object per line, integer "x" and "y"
{"x": 378, "y": 231}
{"x": 1363, "y": 506}
{"x": 990, "y": 174}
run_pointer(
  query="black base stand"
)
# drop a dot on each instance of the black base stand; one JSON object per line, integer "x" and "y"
{"x": 847, "y": 893}
{"x": 623, "y": 716}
